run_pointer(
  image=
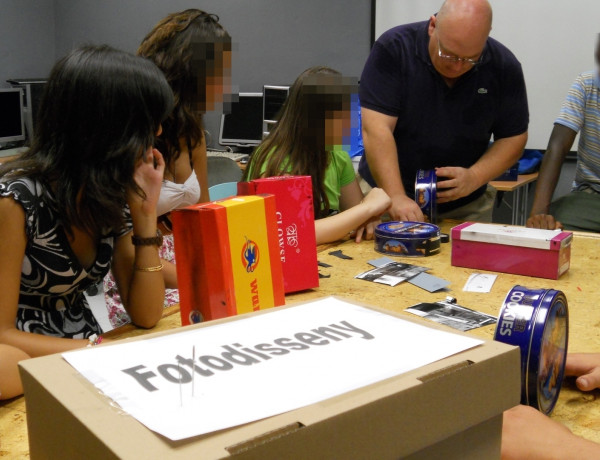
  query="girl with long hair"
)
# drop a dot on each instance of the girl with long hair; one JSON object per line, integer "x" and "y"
{"x": 308, "y": 140}
{"x": 194, "y": 52}
{"x": 80, "y": 200}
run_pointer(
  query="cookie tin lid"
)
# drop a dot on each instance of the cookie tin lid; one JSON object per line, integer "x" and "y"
{"x": 407, "y": 229}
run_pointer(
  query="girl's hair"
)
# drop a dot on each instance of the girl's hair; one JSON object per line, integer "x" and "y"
{"x": 98, "y": 116}
{"x": 297, "y": 143}
{"x": 189, "y": 48}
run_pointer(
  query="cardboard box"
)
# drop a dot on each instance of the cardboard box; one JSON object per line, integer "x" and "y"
{"x": 511, "y": 249}
{"x": 227, "y": 258}
{"x": 450, "y": 409}
{"x": 295, "y": 227}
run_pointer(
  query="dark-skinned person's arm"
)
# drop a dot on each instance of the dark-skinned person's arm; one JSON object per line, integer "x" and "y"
{"x": 561, "y": 141}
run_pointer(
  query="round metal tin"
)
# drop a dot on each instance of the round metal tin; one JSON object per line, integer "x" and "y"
{"x": 409, "y": 239}
{"x": 537, "y": 321}
{"x": 426, "y": 193}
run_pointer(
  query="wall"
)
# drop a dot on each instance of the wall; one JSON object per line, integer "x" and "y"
{"x": 276, "y": 39}
{"x": 26, "y": 39}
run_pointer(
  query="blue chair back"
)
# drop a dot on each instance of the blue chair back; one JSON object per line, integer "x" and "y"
{"x": 224, "y": 190}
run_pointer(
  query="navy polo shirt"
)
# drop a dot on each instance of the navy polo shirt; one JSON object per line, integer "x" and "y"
{"x": 437, "y": 125}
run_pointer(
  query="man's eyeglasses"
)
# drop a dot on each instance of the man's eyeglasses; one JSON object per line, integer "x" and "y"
{"x": 450, "y": 58}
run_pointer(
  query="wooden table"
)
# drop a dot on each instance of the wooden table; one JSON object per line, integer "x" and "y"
{"x": 520, "y": 189}
{"x": 580, "y": 412}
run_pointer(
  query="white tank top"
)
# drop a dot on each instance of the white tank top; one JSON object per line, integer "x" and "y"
{"x": 174, "y": 196}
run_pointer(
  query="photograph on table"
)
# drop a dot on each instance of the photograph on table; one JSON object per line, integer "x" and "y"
{"x": 453, "y": 315}
{"x": 392, "y": 274}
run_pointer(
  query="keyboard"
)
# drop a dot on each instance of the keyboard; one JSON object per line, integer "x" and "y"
{"x": 236, "y": 156}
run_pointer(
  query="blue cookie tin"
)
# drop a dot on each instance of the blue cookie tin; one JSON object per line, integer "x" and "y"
{"x": 537, "y": 321}
{"x": 409, "y": 239}
{"x": 426, "y": 193}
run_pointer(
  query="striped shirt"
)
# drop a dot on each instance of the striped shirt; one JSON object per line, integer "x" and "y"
{"x": 581, "y": 113}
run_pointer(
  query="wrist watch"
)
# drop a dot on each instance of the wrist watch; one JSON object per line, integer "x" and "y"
{"x": 153, "y": 241}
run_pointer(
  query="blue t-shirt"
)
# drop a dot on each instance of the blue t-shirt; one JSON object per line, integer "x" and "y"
{"x": 438, "y": 125}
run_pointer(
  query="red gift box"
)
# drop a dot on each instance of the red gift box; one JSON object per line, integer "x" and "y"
{"x": 295, "y": 227}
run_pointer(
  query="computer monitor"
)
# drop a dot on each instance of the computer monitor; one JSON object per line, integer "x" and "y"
{"x": 242, "y": 126}
{"x": 12, "y": 121}
{"x": 273, "y": 99}
{"x": 33, "y": 90}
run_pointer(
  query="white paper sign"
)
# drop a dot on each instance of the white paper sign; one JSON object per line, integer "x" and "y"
{"x": 260, "y": 366}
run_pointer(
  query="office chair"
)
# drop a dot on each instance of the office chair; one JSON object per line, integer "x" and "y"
{"x": 224, "y": 190}
{"x": 222, "y": 169}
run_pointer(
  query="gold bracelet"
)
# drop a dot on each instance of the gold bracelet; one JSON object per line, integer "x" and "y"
{"x": 157, "y": 268}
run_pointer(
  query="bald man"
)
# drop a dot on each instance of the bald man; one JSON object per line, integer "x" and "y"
{"x": 434, "y": 94}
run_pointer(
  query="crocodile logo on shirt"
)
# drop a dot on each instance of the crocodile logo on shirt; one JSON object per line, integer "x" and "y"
{"x": 482, "y": 91}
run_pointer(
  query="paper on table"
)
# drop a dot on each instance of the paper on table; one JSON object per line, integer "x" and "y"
{"x": 480, "y": 282}
{"x": 429, "y": 282}
{"x": 259, "y": 366}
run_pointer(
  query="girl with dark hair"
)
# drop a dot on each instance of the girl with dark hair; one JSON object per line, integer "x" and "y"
{"x": 81, "y": 199}
{"x": 307, "y": 140}
{"x": 194, "y": 52}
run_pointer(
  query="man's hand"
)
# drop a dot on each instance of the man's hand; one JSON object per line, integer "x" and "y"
{"x": 458, "y": 182}
{"x": 543, "y": 221}
{"x": 405, "y": 209}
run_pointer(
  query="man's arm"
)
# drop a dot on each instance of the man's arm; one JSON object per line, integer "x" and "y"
{"x": 382, "y": 158}
{"x": 460, "y": 182}
{"x": 561, "y": 141}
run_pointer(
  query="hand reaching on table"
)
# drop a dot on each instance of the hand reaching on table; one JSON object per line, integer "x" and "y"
{"x": 586, "y": 367}
{"x": 375, "y": 203}
{"x": 543, "y": 221}
{"x": 404, "y": 208}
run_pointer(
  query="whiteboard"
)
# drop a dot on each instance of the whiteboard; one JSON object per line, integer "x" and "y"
{"x": 553, "y": 39}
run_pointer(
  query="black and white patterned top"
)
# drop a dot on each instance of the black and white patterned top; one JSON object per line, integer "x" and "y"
{"x": 51, "y": 299}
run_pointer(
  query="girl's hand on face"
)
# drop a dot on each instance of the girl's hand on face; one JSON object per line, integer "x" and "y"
{"x": 148, "y": 175}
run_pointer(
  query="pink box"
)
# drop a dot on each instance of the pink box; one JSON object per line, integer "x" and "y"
{"x": 512, "y": 249}
{"x": 295, "y": 227}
